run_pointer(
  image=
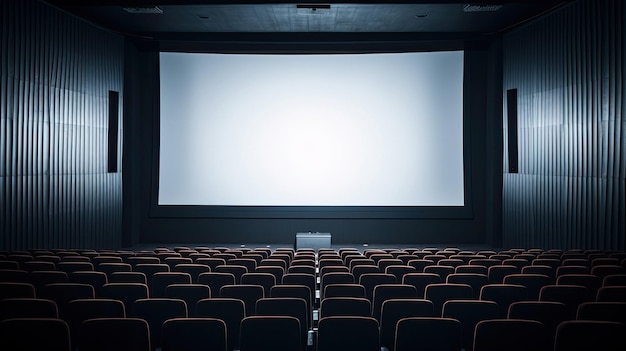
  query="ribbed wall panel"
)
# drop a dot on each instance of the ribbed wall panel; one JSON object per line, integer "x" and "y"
{"x": 56, "y": 74}
{"x": 569, "y": 70}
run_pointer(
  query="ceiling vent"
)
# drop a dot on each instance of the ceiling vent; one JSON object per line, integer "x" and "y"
{"x": 481, "y": 8}
{"x": 152, "y": 10}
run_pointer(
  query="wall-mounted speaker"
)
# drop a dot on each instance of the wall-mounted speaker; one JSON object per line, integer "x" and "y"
{"x": 511, "y": 112}
{"x": 114, "y": 104}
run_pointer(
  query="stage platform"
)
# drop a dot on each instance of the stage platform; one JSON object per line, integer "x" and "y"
{"x": 361, "y": 247}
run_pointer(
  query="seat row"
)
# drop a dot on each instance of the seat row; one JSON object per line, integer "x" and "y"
{"x": 405, "y": 323}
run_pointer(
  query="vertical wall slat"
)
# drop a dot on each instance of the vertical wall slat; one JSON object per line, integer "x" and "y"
{"x": 55, "y": 188}
{"x": 568, "y": 68}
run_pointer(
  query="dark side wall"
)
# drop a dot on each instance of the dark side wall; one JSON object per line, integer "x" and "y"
{"x": 57, "y": 71}
{"x": 569, "y": 69}
{"x": 142, "y": 224}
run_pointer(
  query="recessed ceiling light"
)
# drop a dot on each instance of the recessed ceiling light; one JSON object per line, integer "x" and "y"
{"x": 204, "y": 17}
{"x": 155, "y": 10}
{"x": 481, "y": 8}
{"x": 421, "y": 15}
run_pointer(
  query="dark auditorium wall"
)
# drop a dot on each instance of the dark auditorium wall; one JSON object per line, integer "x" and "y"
{"x": 57, "y": 72}
{"x": 484, "y": 125}
{"x": 569, "y": 69}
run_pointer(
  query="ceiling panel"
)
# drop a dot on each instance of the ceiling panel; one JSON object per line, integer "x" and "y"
{"x": 280, "y": 17}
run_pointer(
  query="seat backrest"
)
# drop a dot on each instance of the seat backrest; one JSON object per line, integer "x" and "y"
{"x": 335, "y": 278}
{"x": 120, "y": 334}
{"x": 497, "y": 273}
{"x": 511, "y": 335}
{"x": 469, "y": 313}
{"x": 442, "y": 292}
{"x": 128, "y": 293}
{"x": 590, "y": 335}
{"x": 10, "y": 290}
{"x": 78, "y": 311}
{"x": 190, "y": 293}
{"x": 286, "y": 306}
{"x": 276, "y": 271}
{"x": 194, "y": 270}
{"x": 28, "y": 308}
{"x": 591, "y": 282}
{"x": 345, "y": 306}
{"x": 371, "y": 280}
{"x": 385, "y": 292}
{"x": 570, "y": 295}
{"x": 394, "y": 310}
{"x": 344, "y": 290}
{"x": 215, "y": 281}
{"x": 270, "y": 333}
{"x": 305, "y": 279}
{"x": 348, "y": 334}
{"x": 602, "y": 311}
{"x": 399, "y": 271}
{"x": 550, "y": 314}
{"x": 231, "y": 311}
{"x": 194, "y": 334}
{"x": 532, "y": 282}
{"x": 420, "y": 281}
{"x": 442, "y": 271}
{"x": 611, "y": 294}
{"x": 109, "y": 268}
{"x": 469, "y": 268}
{"x": 161, "y": 280}
{"x": 50, "y": 334}
{"x": 128, "y": 277}
{"x": 504, "y": 295}
{"x": 433, "y": 333}
{"x": 156, "y": 311}
{"x": 476, "y": 281}
{"x": 614, "y": 280}
{"x": 266, "y": 280}
{"x": 249, "y": 294}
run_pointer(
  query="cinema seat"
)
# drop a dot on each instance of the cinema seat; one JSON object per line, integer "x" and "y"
{"x": 231, "y": 311}
{"x": 550, "y": 314}
{"x": 511, "y": 335}
{"x": 28, "y": 308}
{"x": 345, "y": 306}
{"x": 266, "y": 280}
{"x": 394, "y": 310}
{"x": 249, "y": 294}
{"x": 156, "y": 311}
{"x": 161, "y": 280}
{"x": 348, "y": 334}
{"x": 286, "y": 306}
{"x": 504, "y": 295}
{"x": 194, "y": 334}
{"x": 10, "y": 290}
{"x": 602, "y": 311}
{"x": 371, "y": 280}
{"x": 35, "y": 334}
{"x": 570, "y": 295}
{"x": 428, "y": 333}
{"x": 590, "y": 335}
{"x": 611, "y": 294}
{"x": 119, "y": 334}
{"x": 128, "y": 293}
{"x": 469, "y": 313}
{"x": 344, "y": 290}
{"x": 215, "y": 281}
{"x": 270, "y": 333}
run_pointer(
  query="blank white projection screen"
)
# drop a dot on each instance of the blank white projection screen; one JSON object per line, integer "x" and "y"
{"x": 311, "y": 130}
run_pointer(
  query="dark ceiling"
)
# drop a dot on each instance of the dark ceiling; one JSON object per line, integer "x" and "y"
{"x": 195, "y": 20}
